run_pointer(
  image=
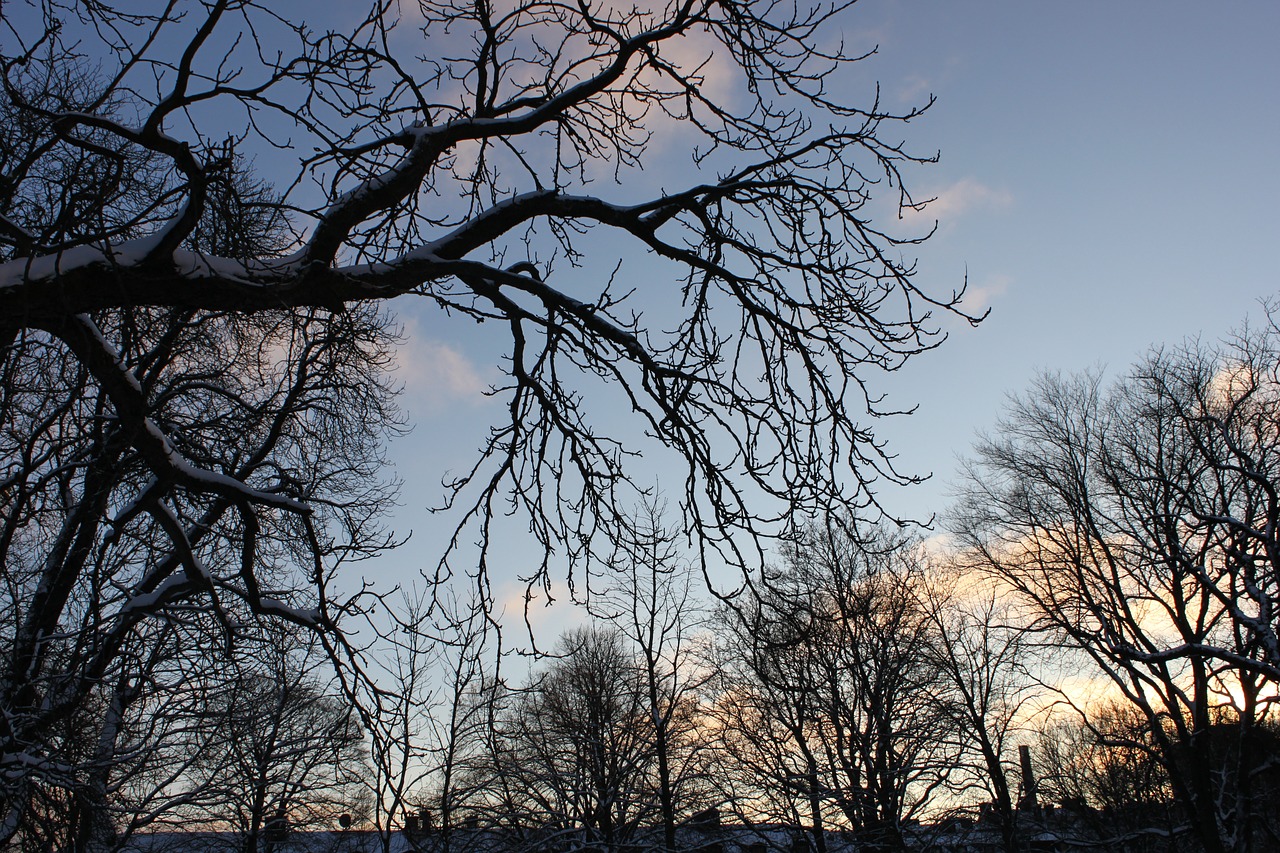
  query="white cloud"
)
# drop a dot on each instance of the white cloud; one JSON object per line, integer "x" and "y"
{"x": 521, "y": 610}
{"x": 959, "y": 198}
{"x": 939, "y": 544}
{"x": 914, "y": 90}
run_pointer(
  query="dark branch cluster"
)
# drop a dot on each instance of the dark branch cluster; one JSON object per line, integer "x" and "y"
{"x": 202, "y": 205}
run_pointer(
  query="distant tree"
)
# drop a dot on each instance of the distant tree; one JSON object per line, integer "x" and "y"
{"x": 651, "y": 598}
{"x": 137, "y": 778}
{"x": 431, "y": 725}
{"x": 574, "y": 751}
{"x": 282, "y": 755}
{"x": 1103, "y": 767}
{"x": 832, "y": 689}
{"x": 1137, "y": 526}
{"x": 983, "y": 657}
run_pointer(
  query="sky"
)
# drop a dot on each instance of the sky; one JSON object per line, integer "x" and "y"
{"x": 1108, "y": 179}
{"x": 1107, "y": 182}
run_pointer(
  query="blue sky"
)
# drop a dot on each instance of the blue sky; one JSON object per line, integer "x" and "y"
{"x": 1108, "y": 181}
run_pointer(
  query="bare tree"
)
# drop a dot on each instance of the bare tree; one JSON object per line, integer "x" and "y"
{"x": 118, "y": 580}
{"x": 430, "y": 714}
{"x": 983, "y": 655}
{"x": 652, "y": 600}
{"x": 399, "y": 718}
{"x": 834, "y": 668}
{"x": 90, "y": 553}
{"x": 509, "y": 133}
{"x": 1136, "y": 525}
{"x": 139, "y": 775}
{"x": 574, "y": 751}
{"x": 96, "y": 546}
{"x": 1103, "y": 768}
{"x": 193, "y": 380}
{"x": 283, "y": 753}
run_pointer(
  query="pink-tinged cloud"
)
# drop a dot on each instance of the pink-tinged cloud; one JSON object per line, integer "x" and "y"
{"x": 436, "y": 374}
{"x": 979, "y": 295}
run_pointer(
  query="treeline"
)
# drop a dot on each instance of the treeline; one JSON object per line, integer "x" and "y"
{"x": 874, "y": 693}
{"x": 1104, "y": 602}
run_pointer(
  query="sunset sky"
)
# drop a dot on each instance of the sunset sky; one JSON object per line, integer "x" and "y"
{"x": 1108, "y": 181}
{"x": 633, "y": 306}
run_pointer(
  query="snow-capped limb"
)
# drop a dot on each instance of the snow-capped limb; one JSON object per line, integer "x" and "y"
{"x": 309, "y": 616}
{"x": 1205, "y": 651}
{"x": 146, "y": 272}
{"x": 42, "y": 268}
{"x": 26, "y": 242}
{"x": 159, "y": 594}
{"x": 516, "y": 116}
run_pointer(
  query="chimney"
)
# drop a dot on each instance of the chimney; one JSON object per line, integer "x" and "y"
{"x": 1028, "y": 798}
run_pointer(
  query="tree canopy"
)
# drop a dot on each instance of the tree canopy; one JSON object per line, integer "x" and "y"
{"x": 204, "y": 207}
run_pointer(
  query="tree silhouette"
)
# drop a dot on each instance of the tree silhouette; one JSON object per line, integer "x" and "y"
{"x": 193, "y": 392}
{"x": 1135, "y": 524}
